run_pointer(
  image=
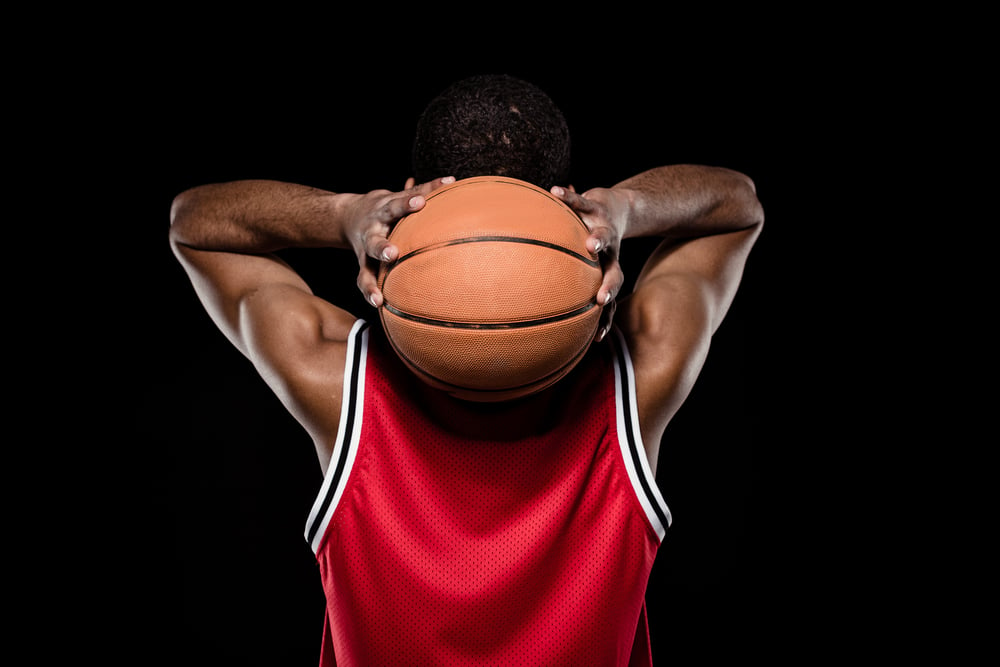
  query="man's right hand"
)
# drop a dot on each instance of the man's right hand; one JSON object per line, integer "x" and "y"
{"x": 371, "y": 218}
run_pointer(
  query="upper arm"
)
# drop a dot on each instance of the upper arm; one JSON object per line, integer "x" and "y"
{"x": 680, "y": 298}
{"x": 296, "y": 341}
{"x": 224, "y": 280}
{"x": 298, "y": 344}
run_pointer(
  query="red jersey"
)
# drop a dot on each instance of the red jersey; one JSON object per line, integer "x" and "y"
{"x": 438, "y": 549}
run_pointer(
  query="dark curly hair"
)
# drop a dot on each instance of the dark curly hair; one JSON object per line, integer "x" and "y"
{"x": 493, "y": 125}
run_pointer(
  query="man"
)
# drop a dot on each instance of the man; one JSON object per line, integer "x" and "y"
{"x": 489, "y": 534}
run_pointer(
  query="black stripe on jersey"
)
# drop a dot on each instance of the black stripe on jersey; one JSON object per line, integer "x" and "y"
{"x": 633, "y": 444}
{"x": 348, "y": 434}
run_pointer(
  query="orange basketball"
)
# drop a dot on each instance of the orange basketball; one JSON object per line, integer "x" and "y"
{"x": 492, "y": 296}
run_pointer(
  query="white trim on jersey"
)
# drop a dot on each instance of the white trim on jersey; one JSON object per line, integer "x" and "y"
{"x": 630, "y": 440}
{"x": 345, "y": 447}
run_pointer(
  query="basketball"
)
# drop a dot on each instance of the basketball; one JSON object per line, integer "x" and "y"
{"x": 492, "y": 295}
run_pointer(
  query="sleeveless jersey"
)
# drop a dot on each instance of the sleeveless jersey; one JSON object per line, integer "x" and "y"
{"x": 437, "y": 549}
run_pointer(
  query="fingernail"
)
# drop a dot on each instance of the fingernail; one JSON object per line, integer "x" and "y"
{"x": 415, "y": 201}
{"x": 607, "y": 299}
{"x": 558, "y": 191}
{"x": 448, "y": 179}
{"x": 386, "y": 257}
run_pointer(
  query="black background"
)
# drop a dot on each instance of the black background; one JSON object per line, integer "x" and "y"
{"x": 204, "y": 481}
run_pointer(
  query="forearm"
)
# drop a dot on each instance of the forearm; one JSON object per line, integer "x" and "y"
{"x": 258, "y": 217}
{"x": 688, "y": 201}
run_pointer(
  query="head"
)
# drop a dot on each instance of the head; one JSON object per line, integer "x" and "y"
{"x": 493, "y": 125}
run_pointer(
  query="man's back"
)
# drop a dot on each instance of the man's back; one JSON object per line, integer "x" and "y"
{"x": 437, "y": 548}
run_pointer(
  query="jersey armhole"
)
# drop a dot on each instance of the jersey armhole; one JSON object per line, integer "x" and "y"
{"x": 345, "y": 447}
{"x": 630, "y": 439}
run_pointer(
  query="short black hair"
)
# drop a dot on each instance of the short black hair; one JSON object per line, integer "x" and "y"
{"x": 493, "y": 125}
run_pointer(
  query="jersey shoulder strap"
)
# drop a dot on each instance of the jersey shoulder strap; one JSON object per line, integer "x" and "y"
{"x": 348, "y": 436}
{"x": 630, "y": 439}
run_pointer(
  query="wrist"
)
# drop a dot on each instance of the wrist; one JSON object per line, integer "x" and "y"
{"x": 342, "y": 209}
{"x": 625, "y": 211}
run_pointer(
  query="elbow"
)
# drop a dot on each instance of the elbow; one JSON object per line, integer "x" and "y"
{"x": 736, "y": 206}
{"x": 174, "y": 234}
{"x": 184, "y": 213}
{"x": 178, "y": 213}
{"x": 753, "y": 210}
{"x": 180, "y": 209}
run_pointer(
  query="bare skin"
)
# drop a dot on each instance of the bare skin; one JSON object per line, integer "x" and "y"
{"x": 224, "y": 234}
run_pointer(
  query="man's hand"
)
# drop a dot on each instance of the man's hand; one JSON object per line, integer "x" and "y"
{"x": 605, "y": 212}
{"x": 370, "y": 219}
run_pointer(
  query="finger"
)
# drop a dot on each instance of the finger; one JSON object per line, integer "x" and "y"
{"x": 607, "y": 317}
{"x": 410, "y": 200}
{"x": 379, "y": 248}
{"x": 375, "y": 239}
{"x": 614, "y": 278}
{"x": 576, "y": 202}
{"x": 592, "y": 214}
{"x": 368, "y": 284}
{"x": 399, "y": 205}
{"x": 602, "y": 239}
{"x": 429, "y": 186}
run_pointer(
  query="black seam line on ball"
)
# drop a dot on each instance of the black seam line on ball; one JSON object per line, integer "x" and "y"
{"x": 489, "y": 326}
{"x": 498, "y": 239}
